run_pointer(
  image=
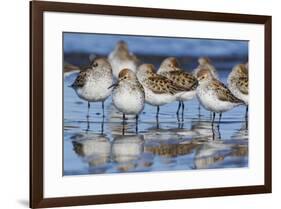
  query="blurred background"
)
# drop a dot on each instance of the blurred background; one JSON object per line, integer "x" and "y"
{"x": 78, "y": 47}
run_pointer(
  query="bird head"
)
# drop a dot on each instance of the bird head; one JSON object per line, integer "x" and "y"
{"x": 169, "y": 64}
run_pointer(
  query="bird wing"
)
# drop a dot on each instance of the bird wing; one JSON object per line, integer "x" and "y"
{"x": 80, "y": 80}
{"x": 160, "y": 84}
{"x": 242, "y": 85}
{"x": 183, "y": 80}
{"x": 223, "y": 92}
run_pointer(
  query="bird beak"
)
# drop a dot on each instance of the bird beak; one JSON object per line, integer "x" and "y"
{"x": 113, "y": 85}
{"x": 199, "y": 79}
{"x": 72, "y": 86}
{"x": 196, "y": 83}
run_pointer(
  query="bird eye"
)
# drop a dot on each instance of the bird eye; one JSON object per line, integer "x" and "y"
{"x": 95, "y": 64}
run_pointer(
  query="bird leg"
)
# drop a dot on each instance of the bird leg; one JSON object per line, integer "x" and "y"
{"x": 157, "y": 113}
{"x": 246, "y": 116}
{"x": 102, "y": 125}
{"x": 213, "y": 120}
{"x": 220, "y": 117}
{"x": 182, "y": 111}
{"x": 103, "y": 109}
{"x": 157, "y": 117}
{"x": 88, "y": 112}
{"x": 137, "y": 118}
{"x": 213, "y": 132}
{"x": 124, "y": 118}
{"x": 219, "y": 133}
{"x": 123, "y": 129}
{"x": 179, "y": 107}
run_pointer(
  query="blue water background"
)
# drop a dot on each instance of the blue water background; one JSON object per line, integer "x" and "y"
{"x": 103, "y": 44}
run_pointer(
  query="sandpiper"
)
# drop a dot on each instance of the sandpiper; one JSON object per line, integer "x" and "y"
{"x": 121, "y": 58}
{"x": 159, "y": 90}
{"x": 206, "y": 64}
{"x": 93, "y": 81}
{"x": 237, "y": 82}
{"x": 214, "y": 95}
{"x": 128, "y": 94}
{"x": 170, "y": 68}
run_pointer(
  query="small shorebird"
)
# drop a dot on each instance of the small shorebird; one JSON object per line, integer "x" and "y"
{"x": 93, "y": 81}
{"x": 214, "y": 95}
{"x": 128, "y": 94}
{"x": 121, "y": 58}
{"x": 206, "y": 64}
{"x": 237, "y": 82}
{"x": 170, "y": 68}
{"x": 159, "y": 90}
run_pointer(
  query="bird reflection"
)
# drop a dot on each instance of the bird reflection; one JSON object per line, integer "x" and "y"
{"x": 214, "y": 155}
{"x": 126, "y": 151}
{"x": 88, "y": 128}
{"x": 102, "y": 125}
{"x": 88, "y": 122}
{"x": 170, "y": 146}
{"x": 240, "y": 151}
{"x": 171, "y": 150}
{"x": 241, "y": 133}
{"x": 209, "y": 154}
{"x": 157, "y": 121}
{"x": 212, "y": 152}
{"x": 181, "y": 125}
{"x": 93, "y": 149}
{"x": 128, "y": 125}
{"x": 216, "y": 132}
{"x": 167, "y": 134}
{"x": 169, "y": 143}
{"x": 205, "y": 130}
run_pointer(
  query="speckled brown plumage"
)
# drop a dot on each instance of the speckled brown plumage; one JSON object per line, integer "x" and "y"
{"x": 238, "y": 82}
{"x": 242, "y": 85}
{"x": 172, "y": 150}
{"x": 241, "y": 78}
{"x": 223, "y": 92}
{"x": 80, "y": 81}
{"x": 160, "y": 84}
{"x": 183, "y": 80}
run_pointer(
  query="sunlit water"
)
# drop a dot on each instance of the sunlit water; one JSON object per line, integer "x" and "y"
{"x": 97, "y": 145}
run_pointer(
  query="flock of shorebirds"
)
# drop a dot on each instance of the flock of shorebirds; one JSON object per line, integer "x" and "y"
{"x": 132, "y": 85}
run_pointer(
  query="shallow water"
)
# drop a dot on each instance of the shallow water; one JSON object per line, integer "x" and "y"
{"x": 97, "y": 145}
